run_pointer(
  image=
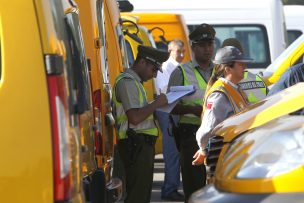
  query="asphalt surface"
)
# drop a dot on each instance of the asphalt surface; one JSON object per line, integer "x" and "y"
{"x": 158, "y": 180}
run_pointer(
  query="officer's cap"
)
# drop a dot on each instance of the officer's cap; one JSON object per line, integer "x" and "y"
{"x": 155, "y": 56}
{"x": 233, "y": 42}
{"x": 203, "y": 32}
{"x": 229, "y": 54}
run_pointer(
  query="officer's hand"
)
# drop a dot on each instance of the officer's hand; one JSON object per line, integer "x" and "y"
{"x": 199, "y": 157}
{"x": 161, "y": 100}
{"x": 197, "y": 110}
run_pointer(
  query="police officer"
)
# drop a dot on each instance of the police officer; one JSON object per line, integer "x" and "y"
{"x": 196, "y": 72}
{"x": 135, "y": 124}
{"x": 252, "y": 84}
{"x": 224, "y": 97}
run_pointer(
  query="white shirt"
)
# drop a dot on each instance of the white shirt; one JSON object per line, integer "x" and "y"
{"x": 162, "y": 79}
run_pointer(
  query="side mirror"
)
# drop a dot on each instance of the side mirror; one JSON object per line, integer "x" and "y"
{"x": 125, "y": 29}
{"x": 162, "y": 36}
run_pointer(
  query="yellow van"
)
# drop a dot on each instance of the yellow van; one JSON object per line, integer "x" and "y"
{"x": 166, "y": 26}
{"x": 85, "y": 108}
{"x": 117, "y": 60}
{"x": 38, "y": 121}
{"x": 93, "y": 22}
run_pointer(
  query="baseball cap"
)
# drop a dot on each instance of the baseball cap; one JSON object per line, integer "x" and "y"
{"x": 229, "y": 54}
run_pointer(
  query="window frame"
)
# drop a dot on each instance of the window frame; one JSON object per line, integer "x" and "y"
{"x": 264, "y": 34}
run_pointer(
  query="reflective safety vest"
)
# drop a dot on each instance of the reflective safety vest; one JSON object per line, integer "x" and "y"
{"x": 192, "y": 77}
{"x": 237, "y": 101}
{"x": 147, "y": 126}
{"x": 254, "y": 87}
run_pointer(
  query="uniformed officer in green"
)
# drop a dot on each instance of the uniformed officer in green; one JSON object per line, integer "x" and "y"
{"x": 135, "y": 124}
{"x": 195, "y": 72}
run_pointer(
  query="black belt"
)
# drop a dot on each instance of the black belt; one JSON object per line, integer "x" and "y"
{"x": 144, "y": 138}
{"x": 150, "y": 139}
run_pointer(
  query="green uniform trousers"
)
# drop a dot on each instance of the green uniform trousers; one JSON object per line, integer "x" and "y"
{"x": 138, "y": 171}
{"x": 194, "y": 177}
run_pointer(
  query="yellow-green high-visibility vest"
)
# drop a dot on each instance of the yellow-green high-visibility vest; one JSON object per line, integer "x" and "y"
{"x": 192, "y": 77}
{"x": 254, "y": 87}
{"x": 121, "y": 121}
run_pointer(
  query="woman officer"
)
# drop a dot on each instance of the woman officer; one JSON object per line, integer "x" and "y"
{"x": 223, "y": 96}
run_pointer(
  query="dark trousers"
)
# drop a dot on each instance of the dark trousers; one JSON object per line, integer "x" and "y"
{"x": 138, "y": 171}
{"x": 194, "y": 177}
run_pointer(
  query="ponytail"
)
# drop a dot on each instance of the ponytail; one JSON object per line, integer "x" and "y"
{"x": 219, "y": 70}
{"x": 217, "y": 73}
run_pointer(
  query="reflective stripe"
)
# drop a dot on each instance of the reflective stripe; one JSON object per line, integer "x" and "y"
{"x": 150, "y": 131}
{"x": 254, "y": 86}
{"x": 192, "y": 77}
{"x": 236, "y": 100}
{"x": 122, "y": 118}
{"x": 147, "y": 126}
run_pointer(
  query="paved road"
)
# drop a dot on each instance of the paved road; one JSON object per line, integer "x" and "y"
{"x": 158, "y": 180}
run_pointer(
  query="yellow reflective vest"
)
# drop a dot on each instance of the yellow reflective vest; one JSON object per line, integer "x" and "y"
{"x": 121, "y": 121}
{"x": 236, "y": 99}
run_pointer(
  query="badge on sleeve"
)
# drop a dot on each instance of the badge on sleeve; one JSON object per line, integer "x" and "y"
{"x": 209, "y": 105}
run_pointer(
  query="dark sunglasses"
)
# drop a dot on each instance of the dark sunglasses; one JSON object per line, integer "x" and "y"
{"x": 155, "y": 67}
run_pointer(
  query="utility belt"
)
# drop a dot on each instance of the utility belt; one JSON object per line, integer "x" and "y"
{"x": 145, "y": 138}
{"x": 135, "y": 143}
{"x": 133, "y": 136}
